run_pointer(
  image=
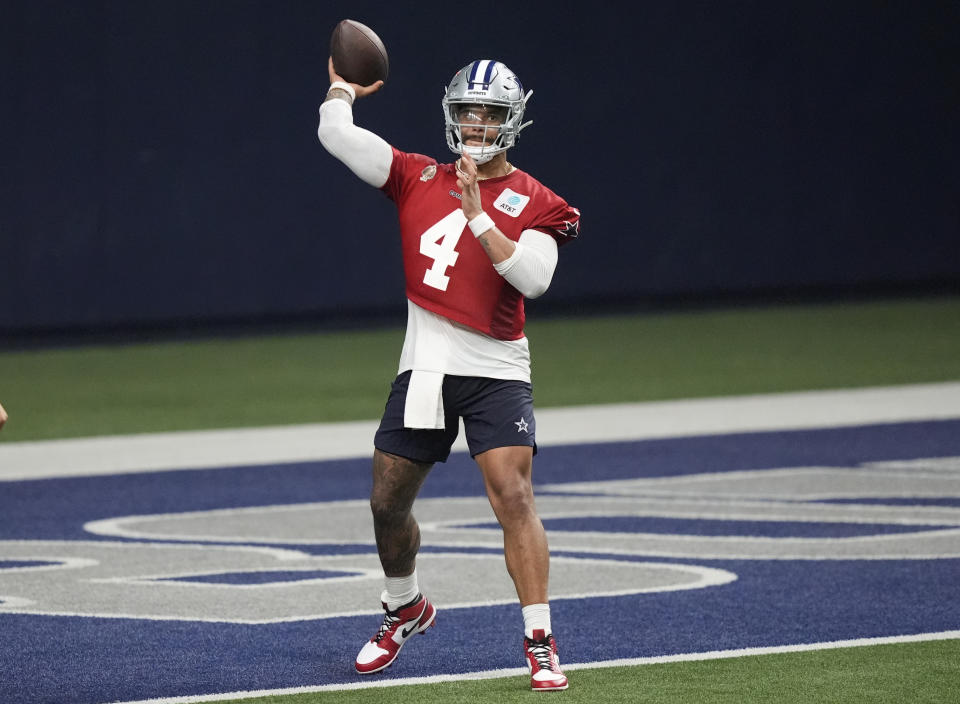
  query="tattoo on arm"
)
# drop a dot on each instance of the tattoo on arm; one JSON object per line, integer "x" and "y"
{"x": 338, "y": 94}
{"x": 484, "y": 240}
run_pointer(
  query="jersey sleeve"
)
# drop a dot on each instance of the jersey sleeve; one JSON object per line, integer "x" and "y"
{"x": 405, "y": 170}
{"x": 558, "y": 219}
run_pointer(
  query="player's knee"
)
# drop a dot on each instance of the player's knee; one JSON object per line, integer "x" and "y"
{"x": 387, "y": 510}
{"x": 512, "y": 501}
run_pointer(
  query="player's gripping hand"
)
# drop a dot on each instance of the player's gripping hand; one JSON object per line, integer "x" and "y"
{"x": 361, "y": 91}
{"x": 467, "y": 182}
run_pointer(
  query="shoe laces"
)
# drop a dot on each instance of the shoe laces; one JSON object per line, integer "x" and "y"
{"x": 389, "y": 621}
{"x": 542, "y": 650}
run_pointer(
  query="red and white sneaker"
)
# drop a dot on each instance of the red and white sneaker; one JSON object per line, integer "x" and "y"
{"x": 541, "y": 652}
{"x": 397, "y": 628}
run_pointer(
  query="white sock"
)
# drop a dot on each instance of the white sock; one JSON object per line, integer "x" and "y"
{"x": 536, "y": 617}
{"x": 400, "y": 591}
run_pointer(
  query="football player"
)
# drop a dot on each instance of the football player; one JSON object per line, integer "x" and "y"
{"x": 478, "y": 236}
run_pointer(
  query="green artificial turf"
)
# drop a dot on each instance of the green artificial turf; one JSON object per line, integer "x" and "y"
{"x": 331, "y": 376}
{"x": 741, "y": 351}
{"x": 914, "y": 673}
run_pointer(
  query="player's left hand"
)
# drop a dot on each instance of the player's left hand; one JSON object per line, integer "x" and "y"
{"x": 467, "y": 183}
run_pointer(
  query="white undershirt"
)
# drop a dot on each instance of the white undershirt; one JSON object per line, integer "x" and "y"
{"x": 437, "y": 344}
{"x": 365, "y": 154}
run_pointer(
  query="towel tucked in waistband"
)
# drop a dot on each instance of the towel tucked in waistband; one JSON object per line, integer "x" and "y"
{"x": 424, "y": 405}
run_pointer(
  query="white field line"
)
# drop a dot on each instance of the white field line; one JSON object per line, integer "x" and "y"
{"x": 555, "y": 426}
{"x": 514, "y": 672}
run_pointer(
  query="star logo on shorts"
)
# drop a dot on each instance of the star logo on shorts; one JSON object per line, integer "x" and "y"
{"x": 522, "y": 426}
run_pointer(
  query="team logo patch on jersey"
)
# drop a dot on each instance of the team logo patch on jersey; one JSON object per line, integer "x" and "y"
{"x": 511, "y": 202}
{"x": 571, "y": 229}
{"x": 428, "y": 173}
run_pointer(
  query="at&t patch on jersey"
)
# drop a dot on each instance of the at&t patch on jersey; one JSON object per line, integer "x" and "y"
{"x": 511, "y": 202}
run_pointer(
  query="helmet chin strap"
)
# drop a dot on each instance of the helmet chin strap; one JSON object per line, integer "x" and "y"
{"x": 480, "y": 155}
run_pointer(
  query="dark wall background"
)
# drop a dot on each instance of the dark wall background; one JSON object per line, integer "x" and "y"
{"x": 160, "y": 161}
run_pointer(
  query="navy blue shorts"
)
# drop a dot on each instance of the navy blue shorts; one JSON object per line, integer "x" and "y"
{"x": 495, "y": 412}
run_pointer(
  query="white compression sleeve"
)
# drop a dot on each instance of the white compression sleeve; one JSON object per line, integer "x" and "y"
{"x": 530, "y": 268}
{"x": 364, "y": 153}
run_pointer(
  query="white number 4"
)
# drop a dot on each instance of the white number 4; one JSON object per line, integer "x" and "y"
{"x": 439, "y": 243}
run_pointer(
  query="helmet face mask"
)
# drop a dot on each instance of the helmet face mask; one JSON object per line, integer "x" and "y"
{"x": 497, "y": 94}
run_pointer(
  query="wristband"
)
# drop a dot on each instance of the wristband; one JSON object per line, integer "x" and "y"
{"x": 481, "y": 224}
{"x": 345, "y": 87}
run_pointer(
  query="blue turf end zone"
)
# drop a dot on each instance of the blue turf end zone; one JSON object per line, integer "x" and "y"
{"x": 60, "y": 659}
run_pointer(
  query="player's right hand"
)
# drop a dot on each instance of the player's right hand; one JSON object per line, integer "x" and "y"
{"x": 361, "y": 91}
{"x": 467, "y": 183}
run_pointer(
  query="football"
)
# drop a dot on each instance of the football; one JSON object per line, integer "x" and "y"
{"x": 358, "y": 54}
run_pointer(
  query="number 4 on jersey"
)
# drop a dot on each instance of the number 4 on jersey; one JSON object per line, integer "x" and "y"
{"x": 439, "y": 243}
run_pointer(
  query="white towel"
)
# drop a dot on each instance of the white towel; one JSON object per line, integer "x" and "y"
{"x": 424, "y": 406}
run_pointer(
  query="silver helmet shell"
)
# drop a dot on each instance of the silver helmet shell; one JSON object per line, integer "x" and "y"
{"x": 485, "y": 82}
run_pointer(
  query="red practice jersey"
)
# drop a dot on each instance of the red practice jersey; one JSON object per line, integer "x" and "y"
{"x": 446, "y": 269}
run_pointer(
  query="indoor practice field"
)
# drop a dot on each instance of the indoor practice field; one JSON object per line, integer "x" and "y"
{"x": 745, "y": 505}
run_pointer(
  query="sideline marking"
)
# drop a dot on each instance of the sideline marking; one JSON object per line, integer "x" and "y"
{"x": 497, "y": 674}
{"x": 123, "y": 454}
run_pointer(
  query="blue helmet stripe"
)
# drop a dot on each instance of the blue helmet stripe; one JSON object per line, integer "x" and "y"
{"x": 488, "y": 76}
{"x": 473, "y": 71}
{"x": 482, "y": 66}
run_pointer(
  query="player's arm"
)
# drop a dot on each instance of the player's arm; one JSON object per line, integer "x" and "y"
{"x": 530, "y": 268}
{"x": 363, "y": 152}
{"x": 3, "y": 416}
{"x": 498, "y": 246}
{"x": 527, "y": 264}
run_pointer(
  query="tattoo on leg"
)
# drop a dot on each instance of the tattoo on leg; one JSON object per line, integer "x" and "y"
{"x": 396, "y": 482}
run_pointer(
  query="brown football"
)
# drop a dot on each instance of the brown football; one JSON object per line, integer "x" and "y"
{"x": 358, "y": 54}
